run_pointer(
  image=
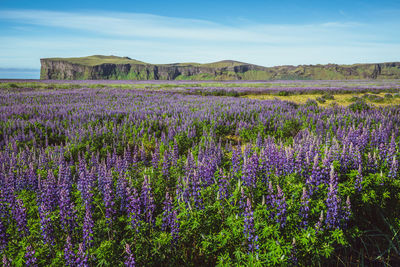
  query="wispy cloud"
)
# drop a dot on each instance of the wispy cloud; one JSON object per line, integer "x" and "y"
{"x": 160, "y": 39}
{"x": 151, "y": 26}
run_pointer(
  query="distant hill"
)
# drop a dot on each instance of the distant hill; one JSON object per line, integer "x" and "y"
{"x": 124, "y": 68}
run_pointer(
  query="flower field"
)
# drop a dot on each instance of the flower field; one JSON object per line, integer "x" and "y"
{"x": 128, "y": 176}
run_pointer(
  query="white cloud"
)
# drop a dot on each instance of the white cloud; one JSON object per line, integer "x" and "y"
{"x": 151, "y": 26}
{"x": 158, "y": 39}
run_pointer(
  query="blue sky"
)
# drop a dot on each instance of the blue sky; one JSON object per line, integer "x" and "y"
{"x": 267, "y": 33}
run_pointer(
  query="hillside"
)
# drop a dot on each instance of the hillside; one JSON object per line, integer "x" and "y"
{"x": 124, "y": 68}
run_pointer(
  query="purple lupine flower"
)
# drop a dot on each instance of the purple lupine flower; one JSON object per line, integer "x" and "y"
{"x": 129, "y": 258}
{"x": 30, "y": 259}
{"x": 69, "y": 254}
{"x": 3, "y": 236}
{"x": 250, "y": 169}
{"x": 19, "y": 214}
{"x": 49, "y": 192}
{"x": 175, "y": 227}
{"x": 108, "y": 198}
{"x": 394, "y": 168}
{"x": 236, "y": 161}
{"x": 316, "y": 176}
{"x": 32, "y": 178}
{"x": 167, "y": 212}
{"x": 332, "y": 202}
{"x": 88, "y": 227}
{"x": 64, "y": 177}
{"x": 133, "y": 208}
{"x": 206, "y": 169}
{"x": 319, "y": 224}
{"x": 147, "y": 201}
{"x": 183, "y": 190}
{"x": 346, "y": 213}
{"x": 122, "y": 166}
{"x": 304, "y": 208}
{"x": 359, "y": 179}
{"x": 90, "y": 179}
{"x": 155, "y": 159}
{"x": 249, "y": 231}
{"x": 271, "y": 196}
{"x": 82, "y": 259}
{"x": 128, "y": 155}
{"x": 195, "y": 190}
{"x": 67, "y": 212}
{"x": 46, "y": 224}
{"x": 122, "y": 184}
{"x": 371, "y": 163}
{"x": 135, "y": 158}
{"x": 259, "y": 141}
{"x": 391, "y": 150}
{"x": 4, "y": 202}
{"x": 82, "y": 171}
{"x": 85, "y": 184}
{"x": 170, "y": 219}
{"x": 6, "y": 262}
{"x": 166, "y": 164}
{"x": 175, "y": 153}
{"x": 281, "y": 207}
{"x": 67, "y": 208}
{"x": 189, "y": 165}
{"x": 223, "y": 187}
{"x": 242, "y": 201}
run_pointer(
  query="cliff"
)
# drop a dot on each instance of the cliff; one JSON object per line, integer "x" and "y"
{"x": 123, "y": 68}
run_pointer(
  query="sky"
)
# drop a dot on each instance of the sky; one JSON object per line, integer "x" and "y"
{"x": 266, "y": 33}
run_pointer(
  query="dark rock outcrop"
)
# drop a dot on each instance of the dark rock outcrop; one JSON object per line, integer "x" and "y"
{"x": 65, "y": 69}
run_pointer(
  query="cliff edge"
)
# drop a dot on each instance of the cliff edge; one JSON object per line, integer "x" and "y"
{"x": 124, "y": 68}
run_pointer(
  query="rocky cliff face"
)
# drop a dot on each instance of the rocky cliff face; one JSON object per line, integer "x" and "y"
{"x": 59, "y": 69}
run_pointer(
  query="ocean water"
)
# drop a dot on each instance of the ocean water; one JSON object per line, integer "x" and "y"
{"x": 19, "y": 73}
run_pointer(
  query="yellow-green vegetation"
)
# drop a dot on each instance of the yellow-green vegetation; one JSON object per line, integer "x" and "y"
{"x": 98, "y": 60}
{"x": 223, "y": 64}
{"x": 218, "y": 64}
{"x": 339, "y": 99}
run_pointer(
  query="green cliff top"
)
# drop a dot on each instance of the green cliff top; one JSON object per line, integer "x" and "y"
{"x": 97, "y": 60}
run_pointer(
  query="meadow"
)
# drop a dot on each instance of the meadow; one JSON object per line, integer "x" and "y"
{"x": 113, "y": 173}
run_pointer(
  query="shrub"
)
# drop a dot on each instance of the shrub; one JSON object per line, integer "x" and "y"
{"x": 376, "y": 99}
{"x": 365, "y": 96}
{"x": 388, "y": 96}
{"x": 355, "y": 99}
{"x": 311, "y": 103}
{"x": 283, "y": 93}
{"x": 328, "y": 96}
{"x": 359, "y": 105}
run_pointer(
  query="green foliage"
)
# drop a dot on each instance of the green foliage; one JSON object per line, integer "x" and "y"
{"x": 328, "y": 96}
{"x": 388, "y": 96}
{"x": 359, "y": 106}
{"x": 283, "y": 93}
{"x": 320, "y": 100}
{"x": 311, "y": 103}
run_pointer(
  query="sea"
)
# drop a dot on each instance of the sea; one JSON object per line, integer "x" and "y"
{"x": 15, "y": 73}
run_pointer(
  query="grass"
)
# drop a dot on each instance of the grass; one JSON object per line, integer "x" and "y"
{"x": 98, "y": 60}
{"x": 223, "y": 64}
